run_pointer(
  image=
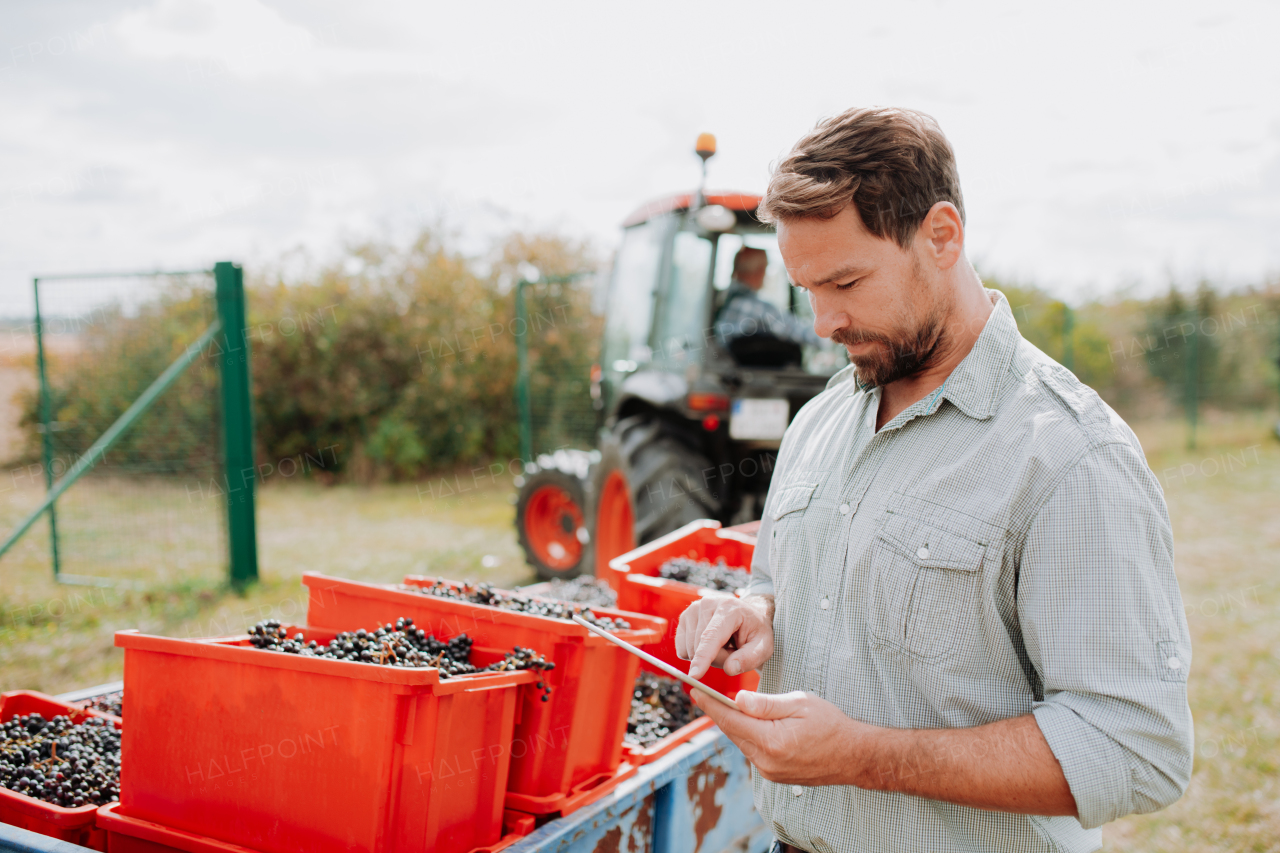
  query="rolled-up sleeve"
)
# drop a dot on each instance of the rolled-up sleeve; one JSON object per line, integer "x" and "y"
{"x": 1104, "y": 627}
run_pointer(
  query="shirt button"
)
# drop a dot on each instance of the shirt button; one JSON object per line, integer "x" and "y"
{"x": 1174, "y": 663}
{"x": 923, "y": 552}
{"x": 844, "y": 509}
{"x": 797, "y": 790}
{"x": 825, "y": 603}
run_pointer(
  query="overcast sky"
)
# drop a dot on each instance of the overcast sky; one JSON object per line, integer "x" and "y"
{"x": 1100, "y": 144}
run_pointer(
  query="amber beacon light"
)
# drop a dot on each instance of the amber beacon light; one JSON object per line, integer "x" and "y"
{"x": 706, "y": 145}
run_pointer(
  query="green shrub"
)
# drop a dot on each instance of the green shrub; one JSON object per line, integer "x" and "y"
{"x": 395, "y": 362}
{"x": 403, "y": 366}
{"x": 117, "y": 358}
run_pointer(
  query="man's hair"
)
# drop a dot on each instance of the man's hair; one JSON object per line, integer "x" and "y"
{"x": 892, "y": 164}
{"x": 749, "y": 260}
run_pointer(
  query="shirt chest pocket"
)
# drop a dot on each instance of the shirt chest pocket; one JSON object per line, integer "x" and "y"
{"x": 793, "y": 545}
{"x": 924, "y": 581}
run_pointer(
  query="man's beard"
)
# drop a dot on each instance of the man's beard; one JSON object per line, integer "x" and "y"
{"x": 897, "y": 356}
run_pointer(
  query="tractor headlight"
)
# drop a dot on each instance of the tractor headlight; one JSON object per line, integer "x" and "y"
{"x": 716, "y": 217}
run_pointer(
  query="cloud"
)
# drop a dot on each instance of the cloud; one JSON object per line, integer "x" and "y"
{"x": 185, "y": 132}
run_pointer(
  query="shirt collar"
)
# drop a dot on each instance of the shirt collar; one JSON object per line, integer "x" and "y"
{"x": 973, "y": 387}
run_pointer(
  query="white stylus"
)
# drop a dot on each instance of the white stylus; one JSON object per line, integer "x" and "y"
{"x": 662, "y": 665}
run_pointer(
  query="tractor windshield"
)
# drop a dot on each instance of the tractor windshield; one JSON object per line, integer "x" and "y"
{"x": 777, "y": 290}
{"x": 630, "y": 310}
{"x": 668, "y": 283}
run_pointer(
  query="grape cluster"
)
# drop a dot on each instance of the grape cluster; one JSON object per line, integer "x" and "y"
{"x": 658, "y": 707}
{"x": 60, "y": 762}
{"x": 583, "y": 589}
{"x": 718, "y": 575}
{"x": 401, "y": 644}
{"x": 108, "y": 703}
{"x": 485, "y": 594}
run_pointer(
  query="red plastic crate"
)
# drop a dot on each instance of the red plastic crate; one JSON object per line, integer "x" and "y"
{"x": 127, "y": 834}
{"x": 292, "y": 754}
{"x": 641, "y": 755}
{"x": 635, "y": 577}
{"x": 83, "y": 704}
{"x": 567, "y": 751}
{"x": 75, "y": 825}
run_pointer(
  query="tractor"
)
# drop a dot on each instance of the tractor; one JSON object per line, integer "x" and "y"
{"x": 690, "y": 422}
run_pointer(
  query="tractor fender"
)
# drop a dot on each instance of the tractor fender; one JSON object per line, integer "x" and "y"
{"x": 658, "y": 388}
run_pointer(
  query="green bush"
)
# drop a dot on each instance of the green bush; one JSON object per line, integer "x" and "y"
{"x": 408, "y": 365}
{"x": 118, "y": 356}
{"x": 394, "y": 362}
{"x": 1133, "y": 352}
{"x": 387, "y": 364}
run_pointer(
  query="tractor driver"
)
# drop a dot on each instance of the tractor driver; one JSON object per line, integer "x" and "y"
{"x": 963, "y": 604}
{"x": 744, "y": 314}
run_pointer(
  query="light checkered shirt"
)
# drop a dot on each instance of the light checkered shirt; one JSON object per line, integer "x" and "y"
{"x": 999, "y": 548}
{"x": 745, "y": 313}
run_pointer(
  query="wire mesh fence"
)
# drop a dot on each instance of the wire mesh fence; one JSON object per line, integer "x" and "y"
{"x": 152, "y": 509}
{"x": 1175, "y": 356}
{"x": 558, "y": 339}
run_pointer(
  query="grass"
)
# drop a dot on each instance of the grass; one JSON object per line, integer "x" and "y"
{"x": 55, "y": 637}
{"x": 1223, "y": 497}
{"x": 1224, "y": 501}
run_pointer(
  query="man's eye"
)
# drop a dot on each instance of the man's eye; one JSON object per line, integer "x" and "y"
{"x": 848, "y": 286}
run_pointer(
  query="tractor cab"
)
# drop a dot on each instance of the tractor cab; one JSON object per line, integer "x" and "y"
{"x": 668, "y": 289}
{"x": 693, "y": 408}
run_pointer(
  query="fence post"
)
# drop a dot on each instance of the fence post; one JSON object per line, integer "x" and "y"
{"x": 522, "y": 376}
{"x": 1192, "y": 379}
{"x": 237, "y": 425}
{"x": 46, "y": 431}
{"x": 1068, "y": 342}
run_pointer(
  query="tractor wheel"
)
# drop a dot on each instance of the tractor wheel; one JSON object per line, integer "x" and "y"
{"x": 551, "y": 513}
{"x": 649, "y": 482}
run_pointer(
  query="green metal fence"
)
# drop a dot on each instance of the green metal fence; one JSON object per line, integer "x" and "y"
{"x": 1177, "y": 355}
{"x": 143, "y": 406}
{"x": 557, "y": 343}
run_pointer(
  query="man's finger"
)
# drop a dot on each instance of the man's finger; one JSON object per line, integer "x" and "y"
{"x": 770, "y": 706}
{"x": 724, "y": 716}
{"x": 706, "y": 613}
{"x": 685, "y": 627}
{"x": 688, "y": 629}
{"x": 743, "y": 730}
{"x": 717, "y": 632}
{"x": 750, "y": 656}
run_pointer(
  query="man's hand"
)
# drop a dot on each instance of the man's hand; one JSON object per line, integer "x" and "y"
{"x": 800, "y": 739}
{"x": 792, "y": 738}
{"x": 708, "y": 624}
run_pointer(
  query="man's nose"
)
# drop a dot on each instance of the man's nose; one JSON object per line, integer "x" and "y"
{"x": 827, "y": 318}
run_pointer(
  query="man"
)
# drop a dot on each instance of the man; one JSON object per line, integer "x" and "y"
{"x": 745, "y": 314}
{"x": 963, "y": 602}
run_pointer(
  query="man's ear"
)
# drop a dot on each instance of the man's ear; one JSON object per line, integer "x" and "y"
{"x": 942, "y": 235}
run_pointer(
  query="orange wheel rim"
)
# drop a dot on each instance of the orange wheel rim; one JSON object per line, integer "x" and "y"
{"x": 552, "y": 519}
{"x": 615, "y": 521}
